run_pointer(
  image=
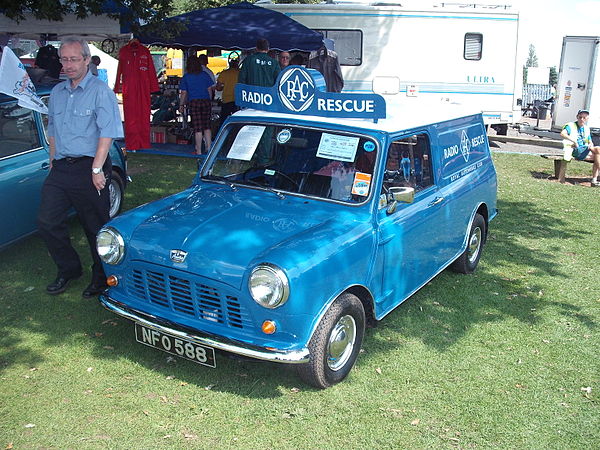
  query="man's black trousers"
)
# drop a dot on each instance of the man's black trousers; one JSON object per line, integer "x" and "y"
{"x": 69, "y": 185}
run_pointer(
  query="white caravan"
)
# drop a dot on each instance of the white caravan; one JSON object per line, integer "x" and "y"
{"x": 453, "y": 52}
{"x": 579, "y": 71}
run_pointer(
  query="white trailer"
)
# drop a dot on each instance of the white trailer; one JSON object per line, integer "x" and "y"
{"x": 453, "y": 52}
{"x": 579, "y": 71}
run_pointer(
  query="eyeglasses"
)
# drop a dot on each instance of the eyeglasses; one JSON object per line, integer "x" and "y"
{"x": 284, "y": 57}
{"x": 71, "y": 60}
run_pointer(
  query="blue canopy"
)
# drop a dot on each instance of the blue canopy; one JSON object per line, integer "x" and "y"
{"x": 237, "y": 27}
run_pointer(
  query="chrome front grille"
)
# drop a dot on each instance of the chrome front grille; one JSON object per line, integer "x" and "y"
{"x": 183, "y": 293}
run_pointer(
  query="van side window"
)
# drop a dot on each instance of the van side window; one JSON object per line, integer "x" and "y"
{"x": 473, "y": 46}
{"x": 18, "y": 131}
{"x": 408, "y": 163}
{"x": 348, "y": 45}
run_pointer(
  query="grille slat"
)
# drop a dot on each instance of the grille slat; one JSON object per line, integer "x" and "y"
{"x": 186, "y": 294}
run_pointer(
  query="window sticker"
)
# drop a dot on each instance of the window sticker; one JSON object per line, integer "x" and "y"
{"x": 369, "y": 146}
{"x": 340, "y": 148}
{"x": 269, "y": 172}
{"x": 246, "y": 142}
{"x": 283, "y": 136}
{"x": 361, "y": 184}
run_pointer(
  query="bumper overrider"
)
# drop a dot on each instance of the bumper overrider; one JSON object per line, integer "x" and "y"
{"x": 207, "y": 339}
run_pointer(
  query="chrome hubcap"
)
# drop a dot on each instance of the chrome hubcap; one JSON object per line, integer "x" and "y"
{"x": 474, "y": 245}
{"x": 341, "y": 342}
{"x": 114, "y": 195}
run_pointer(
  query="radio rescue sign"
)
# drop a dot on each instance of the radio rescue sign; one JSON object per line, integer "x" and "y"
{"x": 463, "y": 148}
{"x": 302, "y": 91}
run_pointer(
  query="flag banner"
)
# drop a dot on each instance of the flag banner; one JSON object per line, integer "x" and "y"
{"x": 15, "y": 81}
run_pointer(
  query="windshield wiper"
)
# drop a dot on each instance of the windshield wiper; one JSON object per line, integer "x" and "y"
{"x": 262, "y": 186}
{"x": 221, "y": 179}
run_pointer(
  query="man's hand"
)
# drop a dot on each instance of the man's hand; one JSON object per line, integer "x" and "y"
{"x": 99, "y": 181}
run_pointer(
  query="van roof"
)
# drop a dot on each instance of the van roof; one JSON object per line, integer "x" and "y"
{"x": 403, "y": 115}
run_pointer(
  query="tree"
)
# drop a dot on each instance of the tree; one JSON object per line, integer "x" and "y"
{"x": 532, "y": 60}
{"x": 132, "y": 12}
{"x": 553, "y": 76}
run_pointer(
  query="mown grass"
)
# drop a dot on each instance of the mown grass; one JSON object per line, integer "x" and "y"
{"x": 504, "y": 358}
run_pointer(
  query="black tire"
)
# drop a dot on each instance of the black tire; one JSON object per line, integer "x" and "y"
{"x": 343, "y": 324}
{"x": 116, "y": 192}
{"x": 467, "y": 262}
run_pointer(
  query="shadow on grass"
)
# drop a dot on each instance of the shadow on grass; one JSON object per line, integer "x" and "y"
{"x": 445, "y": 310}
{"x": 439, "y": 315}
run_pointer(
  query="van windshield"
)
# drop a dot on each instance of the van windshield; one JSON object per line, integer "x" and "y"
{"x": 297, "y": 160}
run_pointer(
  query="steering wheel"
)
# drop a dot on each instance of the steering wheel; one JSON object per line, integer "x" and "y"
{"x": 287, "y": 177}
{"x": 235, "y": 54}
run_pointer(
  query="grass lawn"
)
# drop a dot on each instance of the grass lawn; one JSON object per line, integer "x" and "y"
{"x": 505, "y": 358}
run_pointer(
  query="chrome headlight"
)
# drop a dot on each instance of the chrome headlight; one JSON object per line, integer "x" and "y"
{"x": 110, "y": 245}
{"x": 269, "y": 286}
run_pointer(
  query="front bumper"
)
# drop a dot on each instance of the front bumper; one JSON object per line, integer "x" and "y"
{"x": 216, "y": 342}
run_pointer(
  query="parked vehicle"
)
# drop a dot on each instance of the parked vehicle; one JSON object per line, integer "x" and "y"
{"x": 579, "y": 72}
{"x": 300, "y": 229}
{"x": 462, "y": 53}
{"x": 24, "y": 165}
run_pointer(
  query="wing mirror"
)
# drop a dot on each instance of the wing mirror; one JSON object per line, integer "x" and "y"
{"x": 399, "y": 194}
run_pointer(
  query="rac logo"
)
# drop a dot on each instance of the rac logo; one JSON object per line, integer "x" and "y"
{"x": 465, "y": 145}
{"x": 296, "y": 90}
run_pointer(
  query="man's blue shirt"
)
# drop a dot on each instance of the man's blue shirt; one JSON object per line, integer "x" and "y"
{"x": 78, "y": 117}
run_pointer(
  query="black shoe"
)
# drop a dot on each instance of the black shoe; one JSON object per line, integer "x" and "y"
{"x": 60, "y": 284}
{"x": 94, "y": 288}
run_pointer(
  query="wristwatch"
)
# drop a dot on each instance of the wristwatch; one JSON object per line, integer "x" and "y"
{"x": 96, "y": 170}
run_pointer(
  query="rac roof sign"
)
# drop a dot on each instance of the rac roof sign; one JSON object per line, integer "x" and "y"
{"x": 302, "y": 91}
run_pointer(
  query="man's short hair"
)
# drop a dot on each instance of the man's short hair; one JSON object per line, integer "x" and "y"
{"x": 85, "y": 48}
{"x": 203, "y": 59}
{"x": 262, "y": 44}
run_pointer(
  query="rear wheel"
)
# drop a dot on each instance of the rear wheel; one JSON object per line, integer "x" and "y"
{"x": 467, "y": 262}
{"x": 115, "y": 191}
{"x": 335, "y": 344}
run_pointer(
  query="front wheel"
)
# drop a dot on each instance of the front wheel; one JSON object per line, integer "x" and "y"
{"x": 335, "y": 344}
{"x": 116, "y": 192}
{"x": 467, "y": 262}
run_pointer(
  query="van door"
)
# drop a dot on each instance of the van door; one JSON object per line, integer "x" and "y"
{"x": 24, "y": 166}
{"x": 413, "y": 242}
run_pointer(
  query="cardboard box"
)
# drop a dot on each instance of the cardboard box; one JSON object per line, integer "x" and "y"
{"x": 171, "y": 138}
{"x": 158, "y": 135}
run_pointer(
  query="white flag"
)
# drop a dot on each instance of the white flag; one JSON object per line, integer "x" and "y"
{"x": 15, "y": 81}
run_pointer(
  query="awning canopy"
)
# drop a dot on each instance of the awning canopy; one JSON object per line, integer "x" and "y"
{"x": 237, "y": 27}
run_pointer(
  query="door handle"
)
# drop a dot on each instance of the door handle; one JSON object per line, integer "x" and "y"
{"x": 436, "y": 201}
{"x": 45, "y": 166}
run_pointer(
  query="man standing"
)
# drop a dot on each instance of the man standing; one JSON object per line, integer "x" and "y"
{"x": 284, "y": 59}
{"x": 578, "y": 144}
{"x": 226, "y": 83}
{"x": 259, "y": 69}
{"x": 83, "y": 119}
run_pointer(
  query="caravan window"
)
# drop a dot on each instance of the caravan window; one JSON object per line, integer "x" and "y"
{"x": 473, "y": 46}
{"x": 348, "y": 45}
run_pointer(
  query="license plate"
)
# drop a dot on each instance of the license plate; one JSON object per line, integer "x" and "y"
{"x": 176, "y": 346}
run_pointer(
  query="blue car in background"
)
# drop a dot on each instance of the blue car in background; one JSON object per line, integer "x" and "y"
{"x": 24, "y": 165}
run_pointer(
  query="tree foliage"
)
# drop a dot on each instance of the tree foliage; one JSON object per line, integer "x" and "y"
{"x": 532, "y": 59}
{"x": 145, "y": 11}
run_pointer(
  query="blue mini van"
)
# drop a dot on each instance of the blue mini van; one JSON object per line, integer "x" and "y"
{"x": 302, "y": 227}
